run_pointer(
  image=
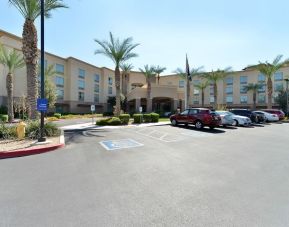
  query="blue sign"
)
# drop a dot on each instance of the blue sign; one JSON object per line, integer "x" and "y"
{"x": 42, "y": 105}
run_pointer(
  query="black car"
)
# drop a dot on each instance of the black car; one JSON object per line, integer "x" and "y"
{"x": 247, "y": 113}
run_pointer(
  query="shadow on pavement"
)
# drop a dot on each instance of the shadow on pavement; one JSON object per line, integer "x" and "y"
{"x": 205, "y": 129}
{"x": 73, "y": 136}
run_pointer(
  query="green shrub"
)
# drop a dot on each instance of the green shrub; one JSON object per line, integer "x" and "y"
{"x": 155, "y": 117}
{"x": 114, "y": 121}
{"x": 7, "y": 132}
{"x": 57, "y": 115}
{"x": 147, "y": 118}
{"x": 4, "y": 117}
{"x": 33, "y": 130}
{"x": 102, "y": 122}
{"x": 137, "y": 118}
{"x": 124, "y": 118}
{"x": 3, "y": 110}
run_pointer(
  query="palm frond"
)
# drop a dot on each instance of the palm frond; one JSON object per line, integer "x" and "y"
{"x": 11, "y": 59}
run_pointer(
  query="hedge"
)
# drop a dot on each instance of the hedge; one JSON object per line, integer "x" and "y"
{"x": 7, "y": 132}
{"x": 57, "y": 115}
{"x": 4, "y": 117}
{"x": 109, "y": 121}
{"x": 155, "y": 117}
{"x": 147, "y": 118}
{"x": 124, "y": 118}
{"x": 137, "y": 118}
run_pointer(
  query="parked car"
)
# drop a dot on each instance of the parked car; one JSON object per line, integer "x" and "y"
{"x": 238, "y": 119}
{"x": 226, "y": 118}
{"x": 268, "y": 116}
{"x": 247, "y": 113}
{"x": 199, "y": 117}
{"x": 279, "y": 113}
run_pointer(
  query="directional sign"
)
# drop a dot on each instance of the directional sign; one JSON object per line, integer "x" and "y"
{"x": 42, "y": 105}
{"x": 140, "y": 109}
{"x": 92, "y": 108}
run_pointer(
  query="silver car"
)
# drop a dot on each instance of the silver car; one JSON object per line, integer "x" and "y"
{"x": 226, "y": 118}
{"x": 238, "y": 120}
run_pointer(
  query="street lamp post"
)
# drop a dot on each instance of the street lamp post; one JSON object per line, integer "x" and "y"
{"x": 42, "y": 138}
{"x": 287, "y": 111}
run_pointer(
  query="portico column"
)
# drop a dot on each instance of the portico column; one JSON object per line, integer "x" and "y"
{"x": 174, "y": 104}
{"x": 137, "y": 104}
{"x": 149, "y": 105}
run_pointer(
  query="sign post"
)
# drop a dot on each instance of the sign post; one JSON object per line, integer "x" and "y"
{"x": 140, "y": 110}
{"x": 92, "y": 109}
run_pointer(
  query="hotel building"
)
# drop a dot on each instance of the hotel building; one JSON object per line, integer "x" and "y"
{"x": 80, "y": 84}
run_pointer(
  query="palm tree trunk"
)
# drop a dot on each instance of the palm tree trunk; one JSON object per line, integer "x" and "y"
{"x": 9, "y": 87}
{"x": 149, "y": 88}
{"x": 126, "y": 82}
{"x": 30, "y": 53}
{"x": 117, "y": 90}
{"x": 270, "y": 91}
{"x": 254, "y": 100}
{"x": 203, "y": 97}
{"x": 215, "y": 95}
{"x": 188, "y": 93}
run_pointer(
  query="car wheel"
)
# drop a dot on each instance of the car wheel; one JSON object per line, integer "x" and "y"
{"x": 235, "y": 123}
{"x": 199, "y": 125}
{"x": 174, "y": 122}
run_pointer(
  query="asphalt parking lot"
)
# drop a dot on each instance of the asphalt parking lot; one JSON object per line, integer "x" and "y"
{"x": 152, "y": 176}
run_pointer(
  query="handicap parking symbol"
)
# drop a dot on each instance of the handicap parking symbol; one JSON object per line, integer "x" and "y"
{"x": 119, "y": 144}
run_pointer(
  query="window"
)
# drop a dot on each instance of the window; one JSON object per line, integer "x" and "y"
{"x": 81, "y": 73}
{"x": 185, "y": 112}
{"x": 278, "y": 86}
{"x": 81, "y": 84}
{"x": 81, "y": 96}
{"x": 59, "y": 68}
{"x": 262, "y": 88}
{"x": 181, "y": 84}
{"x": 196, "y": 91}
{"x": 110, "y": 90}
{"x": 96, "y": 78}
{"x": 96, "y": 98}
{"x": 229, "y": 99}
{"x": 212, "y": 99}
{"x": 60, "y": 94}
{"x": 261, "y": 78}
{"x": 96, "y": 88}
{"x": 193, "y": 111}
{"x": 243, "y": 99}
{"x": 229, "y": 80}
{"x": 229, "y": 90}
{"x": 110, "y": 80}
{"x": 196, "y": 82}
{"x": 59, "y": 81}
{"x": 261, "y": 98}
{"x": 243, "y": 79}
{"x": 196, "y": 100}
{"x": 243, "y": 89}
{"x": 278, "y": 76}
{"x": 211, "y": 89}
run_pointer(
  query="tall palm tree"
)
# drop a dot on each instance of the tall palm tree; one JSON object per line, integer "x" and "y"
{"x": 31, "y": 10}
{"x": 202, "y": 86}
{"x": 183, "y": 75}
{"x": 119, "y": 51}
{"x": 12, "y": 60}
{"x": 254, "y": 88}
{"x": 126, "y": 69}
{"x": 269, "y": 69}
{"x": 149, "y": 73}
{"x": 214, "y": 77}
{"x": 158, "y": 70}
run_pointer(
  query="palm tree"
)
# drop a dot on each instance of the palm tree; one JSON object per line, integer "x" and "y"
{"x": 269, "y": 69}
{"x": 31, "y": 10}
{"x": 119, "y": 52}
{"x": 254, "y": 88}
{"x": 202, "y": 86}
{"x": 126, "y": 69}
{"x": 183, "y": 75}
{"x": 149, "y": 73}
{"x": 215, "y": 76}
{"x": 158, "y": 70}
{"x": 12, "y": 60}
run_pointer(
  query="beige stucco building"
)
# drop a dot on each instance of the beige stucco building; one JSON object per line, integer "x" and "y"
{"x": 80, "y": 84}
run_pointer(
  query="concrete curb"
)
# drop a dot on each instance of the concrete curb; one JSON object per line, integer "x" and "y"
{"x": 32, "y": 151}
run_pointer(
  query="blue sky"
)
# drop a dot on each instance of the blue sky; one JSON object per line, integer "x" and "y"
{"x": 214, "y": 33}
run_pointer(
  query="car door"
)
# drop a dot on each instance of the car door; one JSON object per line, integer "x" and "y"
{"x": 192, "y": 116}
{"x": 183, "y": 117}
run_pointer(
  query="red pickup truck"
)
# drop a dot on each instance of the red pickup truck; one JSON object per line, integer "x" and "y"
{"x": 199, "y": 117}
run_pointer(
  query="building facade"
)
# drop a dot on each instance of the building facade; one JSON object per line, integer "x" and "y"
{"x": 80, "y": 84}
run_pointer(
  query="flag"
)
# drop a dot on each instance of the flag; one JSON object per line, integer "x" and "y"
{"x": 188, "y": 69}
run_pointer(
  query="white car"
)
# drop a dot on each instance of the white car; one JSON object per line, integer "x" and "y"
{"x": 269, "y": 117}
{"x": 238, "y": 120}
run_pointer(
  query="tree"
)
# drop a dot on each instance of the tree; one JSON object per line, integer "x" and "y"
{"x": 158, "y": 70}
{"x": 119, "y": 52}
{"x": 149, "y": 73}
{"x": 215, "y": 76}
{"x": 13, "y": 61}
{"x": 269, "y": 69}
{"x": 281, "y": 100}
{"x": 254, "y": 88}
{"x": 126, "y": 68}
{"x": 202, "y": 86}
{"x": 31, "y": 10}
{"x": 183, "y": 75}
{"x": 50, "y": 89}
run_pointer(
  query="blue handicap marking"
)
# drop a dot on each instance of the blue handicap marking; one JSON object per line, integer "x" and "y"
{"x": 120, "y": 144}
